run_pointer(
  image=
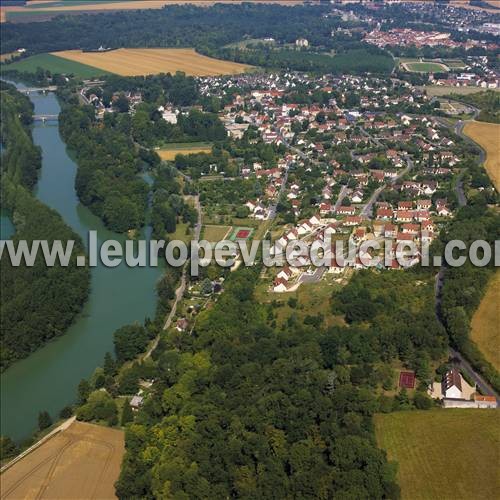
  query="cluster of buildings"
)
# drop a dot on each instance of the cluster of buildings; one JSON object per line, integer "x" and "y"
{"x": 455, "y": 392}
{"x": 407, "y": 156}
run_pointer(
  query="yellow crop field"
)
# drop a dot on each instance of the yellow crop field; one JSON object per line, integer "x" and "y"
{"x": 487, "y": 135}
{"x": 169, "y": 154}
{"x": 82, "y": 461}
{"x": 136, "y": 62}
{"x": 485, "y": 329}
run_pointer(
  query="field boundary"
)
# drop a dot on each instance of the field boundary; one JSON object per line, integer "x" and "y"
{"x": 65, "y": 425}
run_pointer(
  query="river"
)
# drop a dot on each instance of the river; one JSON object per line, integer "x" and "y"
{"x": 48, "y": 379}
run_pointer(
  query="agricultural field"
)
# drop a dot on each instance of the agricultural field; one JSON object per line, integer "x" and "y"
{"x": 52, "y": 8}
{"x": 485, "y": 323}
{"x": 82, "y": 461}
{"x": 186, "y": 148}
{"x": 55, "y": 64}
{"x": 439, "y": 90}
{"x": 214, "y": 233}
{"x": 8, "y": 56}
{"x": 487, "y": 135}
{"x": 136, "y": 62}
{"x": 443, "y": 451}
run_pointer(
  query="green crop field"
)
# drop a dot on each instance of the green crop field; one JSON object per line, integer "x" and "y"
{"x": 445, "y": 453}
{"x": 55, "y": 64}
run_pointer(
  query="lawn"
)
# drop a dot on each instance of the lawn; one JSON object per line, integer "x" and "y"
{"x": 487, "y": 136}
{"x": 55, "y": 64}
{"x": 137, "y": 62}
{"x": 485, "y": 329}
{"x": 186, "y": 148}
{"x": 215, "y": 233}
{"x": 450, "y": 453}
{"x": 312, "y": 299}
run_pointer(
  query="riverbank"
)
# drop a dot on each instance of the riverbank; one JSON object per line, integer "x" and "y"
{"x": 48, "y": 378}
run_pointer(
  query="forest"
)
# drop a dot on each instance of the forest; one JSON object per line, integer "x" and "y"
{"x": 362, "y": 59}
{"x": 241, "y": 408}
{"x": 25, "y": 288}
{"x": 107, "y": 181}
{"x": 172, "y": 26}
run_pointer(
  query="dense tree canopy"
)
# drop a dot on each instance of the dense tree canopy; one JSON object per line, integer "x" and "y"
{"x": 108, "y": 165}
{"x": 25, "y": 288}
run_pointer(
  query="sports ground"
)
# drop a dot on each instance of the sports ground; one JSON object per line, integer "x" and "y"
{"x": 241, "y": 233}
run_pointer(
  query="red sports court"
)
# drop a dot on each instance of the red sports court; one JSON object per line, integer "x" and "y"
{"x": 407, "y": 380}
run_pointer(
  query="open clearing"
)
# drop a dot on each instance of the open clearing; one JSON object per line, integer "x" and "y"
{"x": 55, "y": 65}
{"x": 438, "y": 90}
{"x": 485, "y": 323}
{"x": 82, "y": 461}
{"x": 213, "y": 233}
{"x": 136, "y": 62}
{"x": 169, "y": 153}
{"x": 450, "y": 453}
{"x": 487, "y": 135}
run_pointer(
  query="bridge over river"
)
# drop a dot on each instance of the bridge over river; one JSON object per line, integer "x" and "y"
{"x": 44, "y": 118}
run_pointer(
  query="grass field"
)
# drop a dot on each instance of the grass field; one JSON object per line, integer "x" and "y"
{"x": 312, "y": 299}
{"x": 439, "y": 90}
{"x": 186, "y": 148}
{"x": 487, "y": 135}
{"x": 55, "y": 65}
{"x": 443, "y": 454}
{"x": 485, "y": 323}
{"x": 425, "y": 67}
{"x": 213, "y": 234}
{"x": 82, "y": 461}
{"x": 134, "y": 62}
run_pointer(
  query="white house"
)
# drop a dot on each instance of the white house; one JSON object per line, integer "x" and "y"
{"x": 452, "y": 384}
{"x": 280, "y": 285}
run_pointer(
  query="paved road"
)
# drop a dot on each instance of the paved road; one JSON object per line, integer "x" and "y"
{"x": 179, "y": 292}
{"x": 459, "y": 130}
{"x": 313, "y": 278}
{"x": 343, "y": 193}
{"x": 367, "y": 209}
{"x": 460, "y": 361}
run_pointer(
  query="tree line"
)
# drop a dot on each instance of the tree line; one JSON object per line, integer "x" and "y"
{"x": 39, "y": 302}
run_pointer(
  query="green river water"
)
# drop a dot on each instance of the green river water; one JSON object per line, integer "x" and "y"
{"x": 47, "y": 380}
